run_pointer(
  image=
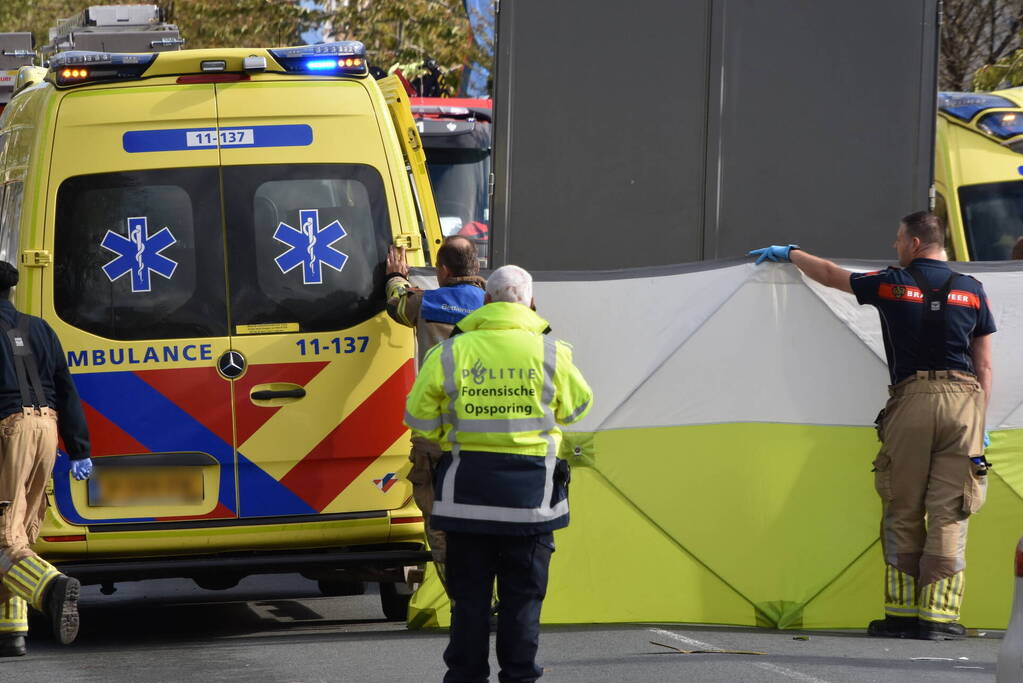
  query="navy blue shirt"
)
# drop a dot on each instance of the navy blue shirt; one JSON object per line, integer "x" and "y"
{"x": 899, "y": 301}
{"x": 61, "y": 394}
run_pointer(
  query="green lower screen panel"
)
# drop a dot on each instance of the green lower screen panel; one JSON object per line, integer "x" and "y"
{"x": 770, "y": 525}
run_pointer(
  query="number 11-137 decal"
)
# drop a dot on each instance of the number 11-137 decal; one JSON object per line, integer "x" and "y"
{"x": 310, "y": 246}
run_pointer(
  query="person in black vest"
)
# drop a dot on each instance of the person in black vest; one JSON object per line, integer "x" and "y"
{"x": 930, "y": 471}
{"x": 433, "y": 314}
{"x": 37, "y": 400}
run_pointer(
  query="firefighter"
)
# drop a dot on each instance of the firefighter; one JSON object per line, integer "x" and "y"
{"x": 492, "y": 396}
{"x": 433, "y": 314}
{"x": 36, "y": 390}
{"x": 930, "y": 471}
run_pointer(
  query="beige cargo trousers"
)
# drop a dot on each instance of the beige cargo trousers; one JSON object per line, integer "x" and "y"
{"x": 28, "y": 448}
{"x": 425, "y": 456}
{"x": 932, "y": 425}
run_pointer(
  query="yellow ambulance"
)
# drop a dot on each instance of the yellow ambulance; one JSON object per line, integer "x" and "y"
{"x": 206, "y": 231}
{"x": 978, "y": 173}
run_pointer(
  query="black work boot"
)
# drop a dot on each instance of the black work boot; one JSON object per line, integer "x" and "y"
{"x": 61, "y": 603}
{"x": 936, "y": 630}
{"x": 894, "y": 627}
{"x": 12, "y": 645}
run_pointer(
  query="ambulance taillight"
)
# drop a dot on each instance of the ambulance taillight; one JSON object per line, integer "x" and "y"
{"x": 1019, "y": 559}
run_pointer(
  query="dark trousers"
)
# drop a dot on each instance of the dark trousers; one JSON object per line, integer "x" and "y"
{"x": 520, "y": 564}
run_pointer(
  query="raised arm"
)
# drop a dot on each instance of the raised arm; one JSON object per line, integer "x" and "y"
{"x": 821, "y": 270}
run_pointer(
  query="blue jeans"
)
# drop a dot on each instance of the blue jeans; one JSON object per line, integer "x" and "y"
{"x": 520, "y": 565}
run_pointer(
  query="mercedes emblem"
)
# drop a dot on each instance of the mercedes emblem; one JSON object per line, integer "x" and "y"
{"x": 231, "y": 365}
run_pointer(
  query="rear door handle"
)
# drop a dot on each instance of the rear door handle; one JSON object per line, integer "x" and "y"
{"x": 268, "y": 394}
{"x": 275, "y": 394}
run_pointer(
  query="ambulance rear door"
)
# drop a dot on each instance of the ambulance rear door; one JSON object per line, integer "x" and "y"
{"x": 322, "y": 372}
{"x": 137, "y": 295}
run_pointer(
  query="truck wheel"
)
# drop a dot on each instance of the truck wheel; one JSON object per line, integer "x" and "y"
{"x": 337, "y": 587}
{"x": 394, "y": 601}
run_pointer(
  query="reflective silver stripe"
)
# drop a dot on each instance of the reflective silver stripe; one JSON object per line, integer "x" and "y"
{"x": 550, "y": 366}
{"x": 943, "y": 617}
{"x": 576, "y": 413}
{"x": 490, "y": 513}
{"x": 900, "y": 611}
{"x": 422, "y": 425}
{"x": 519, "y": 424}
{"x": 447, "y": 362}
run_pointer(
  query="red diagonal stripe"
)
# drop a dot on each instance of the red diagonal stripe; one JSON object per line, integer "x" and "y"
{"x": 200, "y": 392}
{"x": 354, "y": 444}
{"x": 106, "y": 438}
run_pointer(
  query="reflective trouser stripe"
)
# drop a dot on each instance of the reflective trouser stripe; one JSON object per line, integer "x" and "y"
{"x": 14, "y": 616}
{"x": 942, "y": 600}
{"x": 899, "y": 593}
{"x": 29, "y": 579}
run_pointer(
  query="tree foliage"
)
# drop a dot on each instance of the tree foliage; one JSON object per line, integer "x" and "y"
{"x": 979, "y": 40}
{"x": 430, "y": 40}
{"x": 241, "y": 23}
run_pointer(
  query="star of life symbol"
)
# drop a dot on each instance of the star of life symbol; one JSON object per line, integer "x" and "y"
{"x": 138, "y": 254}
{"x": 310, "y": 246}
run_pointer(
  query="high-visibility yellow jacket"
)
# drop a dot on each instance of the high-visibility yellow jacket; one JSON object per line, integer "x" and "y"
{"x": 492, "y": 397}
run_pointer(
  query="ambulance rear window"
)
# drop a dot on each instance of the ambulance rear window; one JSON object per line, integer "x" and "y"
{"x": 993, "y": 218}
{"x": 306, "y": 243}
{"x": 139, "y": 255}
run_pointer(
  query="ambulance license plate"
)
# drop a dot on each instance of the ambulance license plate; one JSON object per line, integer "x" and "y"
{"x": 125, "y": 486}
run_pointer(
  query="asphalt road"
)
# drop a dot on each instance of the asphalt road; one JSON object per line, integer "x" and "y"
{"x": 278, "y": 628}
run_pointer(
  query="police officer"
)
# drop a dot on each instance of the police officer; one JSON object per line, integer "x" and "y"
{"x": 36, "y": 388}
{"x": 433, "y": 314}
{"x": 492, "y": 396}
{"x": 930, "y": 471}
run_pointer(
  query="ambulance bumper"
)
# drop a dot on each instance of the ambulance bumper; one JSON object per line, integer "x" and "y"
{"x": 371, "y": 561}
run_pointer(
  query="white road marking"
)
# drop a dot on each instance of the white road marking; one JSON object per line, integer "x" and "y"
{"x": 789, "y": 673}
{"x": 691, "y": 642}
{"x": 774, "y": 668}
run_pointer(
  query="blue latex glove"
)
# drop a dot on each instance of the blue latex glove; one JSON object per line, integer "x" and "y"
{"x": 987, "y": 439}
{"x": 776, "y": 252}
{"x": 81, "y": 469}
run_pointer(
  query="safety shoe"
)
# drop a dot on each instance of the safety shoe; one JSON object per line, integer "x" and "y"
{"x": 935, "y": 630}
{"x": 61, "y": 604}
{"x": 894, "y": 627}
{"x": 12, "y": 646}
